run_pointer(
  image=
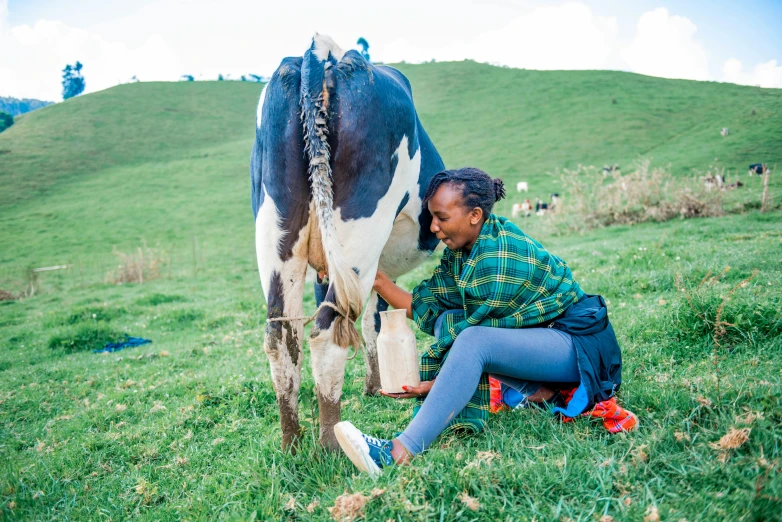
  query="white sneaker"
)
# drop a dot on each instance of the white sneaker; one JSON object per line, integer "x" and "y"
{"x": 368, "y": 454}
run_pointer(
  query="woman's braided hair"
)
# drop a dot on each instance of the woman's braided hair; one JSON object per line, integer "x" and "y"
{"x": 477, "y": 188}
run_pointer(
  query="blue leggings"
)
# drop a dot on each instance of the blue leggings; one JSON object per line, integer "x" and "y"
{"x": 522, "y": 358}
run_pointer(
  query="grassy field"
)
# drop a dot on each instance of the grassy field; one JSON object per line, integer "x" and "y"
{"x": 187, "y": 427}
{"x": 166, "y": 162}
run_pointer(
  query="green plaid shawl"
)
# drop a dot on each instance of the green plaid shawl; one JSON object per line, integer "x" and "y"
{"x": 507, "y": 280}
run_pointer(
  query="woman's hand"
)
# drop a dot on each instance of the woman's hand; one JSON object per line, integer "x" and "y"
{"x": 392, "y": 294}
{"x": 411, "y": 392}
{"x": 380, "y": 280}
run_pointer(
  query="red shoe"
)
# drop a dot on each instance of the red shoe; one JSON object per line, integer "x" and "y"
{"x": 496, "y": 403}
{"x": 615, "y": 418}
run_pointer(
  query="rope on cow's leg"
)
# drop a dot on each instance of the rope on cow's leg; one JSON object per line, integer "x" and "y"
{"x": 306, "y": 318}
{"x": 309, "y": 318}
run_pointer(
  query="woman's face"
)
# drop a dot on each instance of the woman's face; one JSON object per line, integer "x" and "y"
{"x": 452, "y": 223}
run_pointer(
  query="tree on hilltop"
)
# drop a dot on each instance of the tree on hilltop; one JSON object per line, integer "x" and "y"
{"x": 6, "y": 120}
{"x": 364, "y": 48}
{"x": 186, "y": 78}
{"x": 72, "y": 81}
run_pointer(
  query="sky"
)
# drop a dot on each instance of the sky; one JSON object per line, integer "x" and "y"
{"x": 717, "y": 40}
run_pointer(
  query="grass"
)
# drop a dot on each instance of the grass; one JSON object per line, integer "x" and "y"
{"x": 187, "y": 427}
{"x": 163, "y": 162}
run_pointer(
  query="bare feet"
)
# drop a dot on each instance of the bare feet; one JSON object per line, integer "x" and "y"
{"x": 400, "y": 454}
{"x": 543, "y": 394}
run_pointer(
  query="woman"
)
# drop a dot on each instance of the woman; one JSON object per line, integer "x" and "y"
{"x": 498, "y": 304}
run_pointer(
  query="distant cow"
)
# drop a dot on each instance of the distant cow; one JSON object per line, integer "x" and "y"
{"x": 610, "y": 169}
{"x": 713, "y": 180}
{"x": 732, "y": 186}
{"x": 522, "y": 185}
{"x": 339, "y": 168}
{"x": 554, "y": 200}
{"x": 757, "y": 168}
{"x": 724, "y": 131}
{"x": 540, "y": 207}
{"x": 519, "y": 208}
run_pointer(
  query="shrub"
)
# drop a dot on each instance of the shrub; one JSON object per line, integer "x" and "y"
{"x": 136, "y": 267}
{"x": 87, "y": 337}
{"x": 6, "y": 120}
{"x": 594, "y": 198}
{"x": 86, "y": 314}
{"x": 715, "y": 314}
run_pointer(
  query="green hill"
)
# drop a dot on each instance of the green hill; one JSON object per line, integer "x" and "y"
{"x": 165, "y": 161}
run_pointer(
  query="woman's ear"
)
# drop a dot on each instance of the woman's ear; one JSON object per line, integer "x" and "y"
{"x": 476, "y": 216}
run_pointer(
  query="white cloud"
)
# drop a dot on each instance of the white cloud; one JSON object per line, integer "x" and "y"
{"x": 665, "y": 45}
{"x": 163, "y": 39}
{"x": 569, "y": 36}
{"x": 767, "y": 74}
{"x": 34, "y": 56}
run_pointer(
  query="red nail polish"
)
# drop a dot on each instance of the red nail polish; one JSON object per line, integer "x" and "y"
{"x": 404, "y": 388}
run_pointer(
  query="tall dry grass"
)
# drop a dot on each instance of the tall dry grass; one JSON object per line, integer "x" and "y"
{"x": 137, "y": 266}
{"x": 594, "y": 199}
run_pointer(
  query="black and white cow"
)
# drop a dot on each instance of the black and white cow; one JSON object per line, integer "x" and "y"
{"x": 339, "y": 168}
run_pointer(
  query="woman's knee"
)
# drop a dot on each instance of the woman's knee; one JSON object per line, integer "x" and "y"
{"x": 468, "y": 344}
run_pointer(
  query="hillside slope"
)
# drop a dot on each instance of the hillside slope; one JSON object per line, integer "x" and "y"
{"x": 525, "y": 123}
{"x": 163, "y": 162}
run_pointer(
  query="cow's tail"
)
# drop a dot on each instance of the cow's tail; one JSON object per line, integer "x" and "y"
{"x": 314, "y": 114}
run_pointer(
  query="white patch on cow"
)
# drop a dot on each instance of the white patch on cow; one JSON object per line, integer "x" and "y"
{"x": 401, "y": 253}
{"x": 323, "y": 45}
{"x": 364, "y": 239}
{"x": 268, "y": 234}
{"x": 328, "y": 365}
{"x": 259, "y": 111}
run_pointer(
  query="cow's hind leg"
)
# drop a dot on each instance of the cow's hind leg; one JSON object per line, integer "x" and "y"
{"x": 328, "y": 371}
{"x": 370, "y": 327}
{"x": 328, "y": 358}
{"x": 283, "y": 283}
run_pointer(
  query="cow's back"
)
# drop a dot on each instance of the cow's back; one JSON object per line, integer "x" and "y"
{"x": 371, "y": 112}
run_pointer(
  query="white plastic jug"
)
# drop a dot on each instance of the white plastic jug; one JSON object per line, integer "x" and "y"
{"x": 397, "y": 357}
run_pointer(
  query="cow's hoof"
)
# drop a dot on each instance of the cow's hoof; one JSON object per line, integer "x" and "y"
{"x": 372, "y": 385}
{"x": 329, "y": 442}
{"x": 371, "y": 389}
{"x": 290, "y": 444}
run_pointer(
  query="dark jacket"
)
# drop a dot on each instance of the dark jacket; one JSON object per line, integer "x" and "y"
{"x": 597, "y": 351}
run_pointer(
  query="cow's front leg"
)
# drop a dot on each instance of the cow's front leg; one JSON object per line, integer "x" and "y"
{"x": 370, "y": 327}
